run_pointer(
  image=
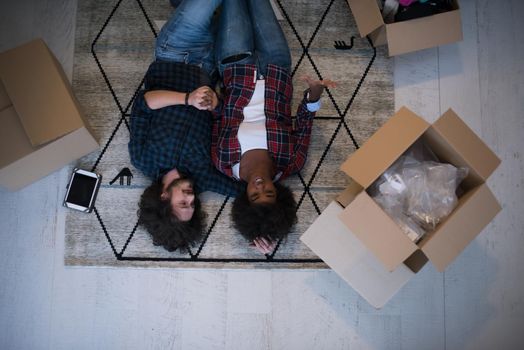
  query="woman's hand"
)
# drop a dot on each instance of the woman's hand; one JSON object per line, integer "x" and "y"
{"x": 203, "y": 98}
{"x": 263, "y": 245}
{"x": 316, "y": 87}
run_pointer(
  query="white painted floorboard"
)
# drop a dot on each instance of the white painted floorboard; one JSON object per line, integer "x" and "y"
{"x": 478, "y": 303}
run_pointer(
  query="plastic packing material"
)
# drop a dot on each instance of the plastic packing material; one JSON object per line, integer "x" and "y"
{"x": 394, "y": 208}
{"x": 389, "y": 10}
{"x": 417, "y": 191}
{"x": 431, "y": 191}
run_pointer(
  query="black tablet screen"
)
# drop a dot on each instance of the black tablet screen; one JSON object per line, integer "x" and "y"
{"x": 81, "y": 190}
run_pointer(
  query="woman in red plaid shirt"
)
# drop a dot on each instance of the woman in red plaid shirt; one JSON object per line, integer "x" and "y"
{"x": 254, "y": 139}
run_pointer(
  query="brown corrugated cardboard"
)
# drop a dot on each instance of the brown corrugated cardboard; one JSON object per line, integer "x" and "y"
{"x": 379, "y": 233}
{"x": 452, "y": 141}
{"x": 407, "y": 36}
{"x": 367, "y": 15}
{"x": 4, "y": 98}
{"x": 350, "y": 259}
{"x": 355, "y": 225}
{"x": 416, "y": 261}
{"x": 43, "y": 127}
{"x": 381, "y": 150}
{"x": 476, "y": 209}
{"x": 348, "y": 195}
{"x": 423, "y": 33}
{"x": 13, "y": 139}
{"x": 458, "y": 135}
{"x": 28, "y": 74}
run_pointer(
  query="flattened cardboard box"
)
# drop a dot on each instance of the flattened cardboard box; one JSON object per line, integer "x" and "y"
{"x": 42, "y": 124}
{"x": 453, "y": 142}
{"x": 406, "y": 36}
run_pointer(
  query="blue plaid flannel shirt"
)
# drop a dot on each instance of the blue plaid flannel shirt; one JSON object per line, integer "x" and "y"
{"x": 176, "y": 136}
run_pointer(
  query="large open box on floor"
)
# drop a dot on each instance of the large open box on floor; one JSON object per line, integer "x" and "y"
{"x": 363, "y": 244}
{"x": 42, "y": 126}
{"x": 406, "y": 36}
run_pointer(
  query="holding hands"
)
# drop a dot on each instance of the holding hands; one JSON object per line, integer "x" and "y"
{"x": 203, "y": 98}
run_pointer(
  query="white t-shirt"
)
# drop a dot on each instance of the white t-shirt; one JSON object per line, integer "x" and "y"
{"x": 252, "y": 131}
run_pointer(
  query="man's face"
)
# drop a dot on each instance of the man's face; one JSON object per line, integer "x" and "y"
{"x": 183, "y": 200}
{"x": 261, "y": 191}
{"x": 178, "y": 189}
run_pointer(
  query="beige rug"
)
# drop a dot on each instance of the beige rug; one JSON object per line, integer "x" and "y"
{"x": 114, "y": 47}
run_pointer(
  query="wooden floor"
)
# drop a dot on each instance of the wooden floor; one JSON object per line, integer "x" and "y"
{"x": 478, "y": 303}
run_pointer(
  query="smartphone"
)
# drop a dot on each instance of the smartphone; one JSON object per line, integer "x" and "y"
{"x": 82, "y": 190}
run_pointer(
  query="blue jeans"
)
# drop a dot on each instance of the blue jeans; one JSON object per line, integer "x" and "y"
{"x": 189, "y": 35}
{"x": 249, "y": 33}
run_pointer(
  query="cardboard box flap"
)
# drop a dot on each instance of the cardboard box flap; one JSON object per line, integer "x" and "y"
{"x": 348, "y": 257}
{"x": 423, "y": 33}
{"x": 384, "y": 147}
{"x": 348, "y": 195}
{"x": 367, "y": 15}
{"x": 29, "y": 73}
{"x": 47, "y": 158}
{"x": 14, "y": 143}
{"x": 377, "y": 231}
{"x": 330, "y": 239}
{"x": 475, "y": 210}
{"x": 4, "y": 97}
{"x": 467, "y": 144}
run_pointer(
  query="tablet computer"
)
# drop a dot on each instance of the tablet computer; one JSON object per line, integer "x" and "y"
{"x": 82, "y": 190}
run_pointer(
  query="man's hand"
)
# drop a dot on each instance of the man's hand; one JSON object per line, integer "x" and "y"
{"x": 203, "y": 98}
{"x": 316, "y": 87}
{"x": 263, "y": 245}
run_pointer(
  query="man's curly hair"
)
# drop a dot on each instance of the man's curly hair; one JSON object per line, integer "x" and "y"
{"x": 271, "y": 221}
{"x": 157, "y": 217}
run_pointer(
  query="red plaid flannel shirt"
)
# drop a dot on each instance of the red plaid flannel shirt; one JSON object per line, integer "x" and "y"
{"x": 287, "y": 144}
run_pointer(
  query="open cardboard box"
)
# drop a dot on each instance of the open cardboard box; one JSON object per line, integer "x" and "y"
{"x": 359, "y": 216}
{"x": 341, "y": 250}
{"x": 42, "y": 126}
{"x": 407, "y": 36}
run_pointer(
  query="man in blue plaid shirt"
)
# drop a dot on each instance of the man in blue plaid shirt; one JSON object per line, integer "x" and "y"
{"x": 171, "y": 128}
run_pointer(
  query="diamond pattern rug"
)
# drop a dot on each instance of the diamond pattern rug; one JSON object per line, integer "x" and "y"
{"x": 114, "y": 46}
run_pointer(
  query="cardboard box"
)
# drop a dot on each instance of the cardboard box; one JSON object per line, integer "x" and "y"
{"x": 361, "y": 217}
{"x": 331, "y": 240}
{"x": 406, "y": 36}
{"x": 42, "y": 124}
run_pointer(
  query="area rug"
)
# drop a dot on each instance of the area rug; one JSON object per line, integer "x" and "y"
{"x": 114, "y": 46}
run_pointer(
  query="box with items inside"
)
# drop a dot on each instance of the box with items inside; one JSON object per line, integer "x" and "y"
{"x": 402, "y": 207}
{"x": 408, "y": 25}
{"x": 452, "y": 142}
{"x": 418, "y": 191}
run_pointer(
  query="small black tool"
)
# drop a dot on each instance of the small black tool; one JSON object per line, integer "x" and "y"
{"x": 123, "y": 173}
{"x": 341, "y": 45}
